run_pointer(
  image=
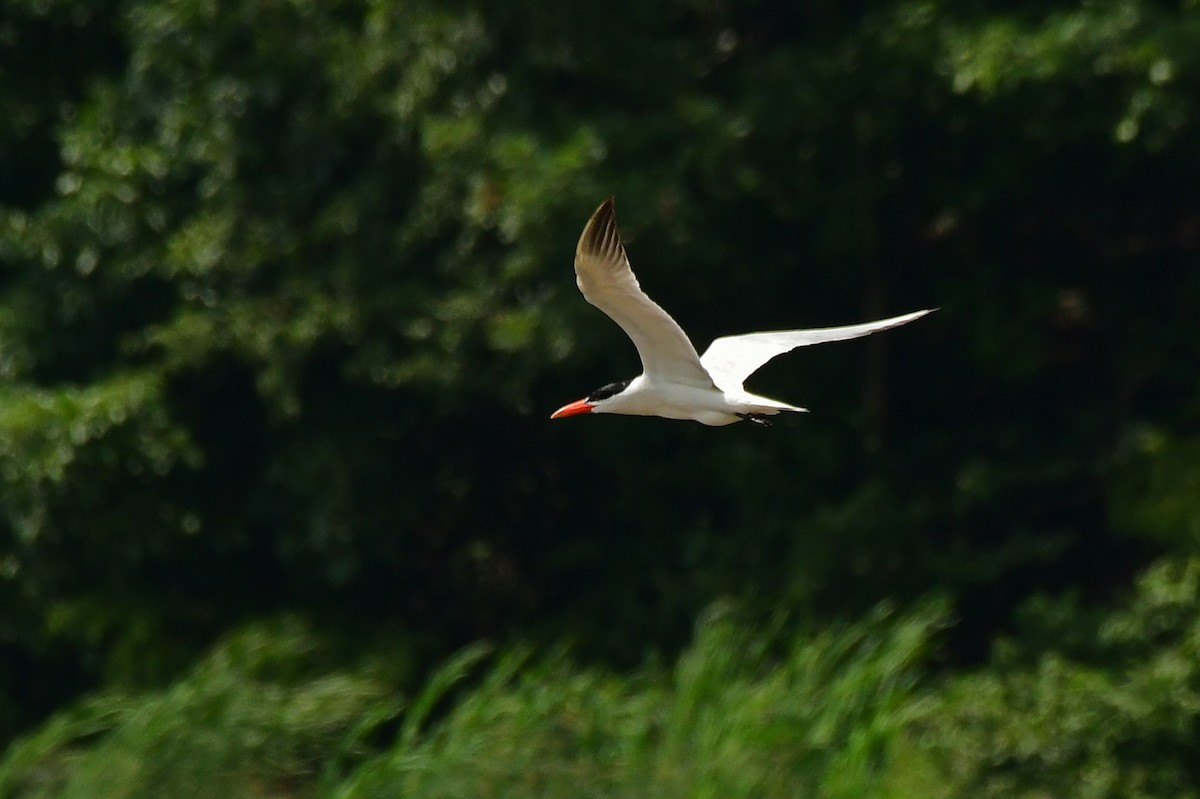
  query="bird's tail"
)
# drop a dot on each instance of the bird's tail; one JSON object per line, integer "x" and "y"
{"x": 770, "y": 407}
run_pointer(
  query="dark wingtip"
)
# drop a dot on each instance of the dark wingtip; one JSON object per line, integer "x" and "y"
{"x": 605, "y": 213}
{"x": 600, "y": 235}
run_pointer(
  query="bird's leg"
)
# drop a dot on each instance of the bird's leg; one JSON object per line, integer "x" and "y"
{"x": 757, "y": 418}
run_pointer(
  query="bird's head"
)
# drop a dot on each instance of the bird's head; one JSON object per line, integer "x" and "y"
{"x": 594, "y": 402}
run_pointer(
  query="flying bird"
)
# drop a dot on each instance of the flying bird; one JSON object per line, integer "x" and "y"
{"x": 676, "y": 383}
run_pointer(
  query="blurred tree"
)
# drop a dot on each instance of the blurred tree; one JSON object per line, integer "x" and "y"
{"x": 1103, "y": 708}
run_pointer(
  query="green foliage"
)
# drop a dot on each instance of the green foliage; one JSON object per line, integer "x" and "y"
{"x": 254, "y": 718}
{"x": 740, "y": 714}
{"x": 1156, "y": 488}
{"x": 1109, "y": 712}
{"x": 733, "y": 717}
{"x": 1137, "y": 48}
{"x": 47, "y": 437}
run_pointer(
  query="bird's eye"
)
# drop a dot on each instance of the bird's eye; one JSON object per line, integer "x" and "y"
{"x": 604, "y": 392}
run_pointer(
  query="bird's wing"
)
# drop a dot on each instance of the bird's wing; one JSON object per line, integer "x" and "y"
{"x": 731, "y": 359}
{"x": 603, "y": 274}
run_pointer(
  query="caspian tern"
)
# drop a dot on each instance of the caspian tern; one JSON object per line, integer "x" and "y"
{"x": 676, "y": 383}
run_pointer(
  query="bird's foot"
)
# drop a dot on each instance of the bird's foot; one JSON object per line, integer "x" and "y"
{"x": 757, "y": 418}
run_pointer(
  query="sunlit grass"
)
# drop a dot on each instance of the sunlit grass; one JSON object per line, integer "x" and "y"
{"x": 739, "y": 714}
{"x": 1093, "y": 710}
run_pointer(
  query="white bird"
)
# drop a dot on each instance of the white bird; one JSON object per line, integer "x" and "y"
{"x": 676, "y": 383}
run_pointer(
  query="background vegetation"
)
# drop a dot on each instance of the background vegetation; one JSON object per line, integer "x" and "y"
{"x": 286, "y": 298}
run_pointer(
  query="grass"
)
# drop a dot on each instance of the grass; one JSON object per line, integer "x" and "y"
{"x": 741, "y": 713}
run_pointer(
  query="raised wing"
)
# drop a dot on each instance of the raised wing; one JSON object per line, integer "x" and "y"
{"x": 603, "y": 274}
{"x": 731, "y": 359}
